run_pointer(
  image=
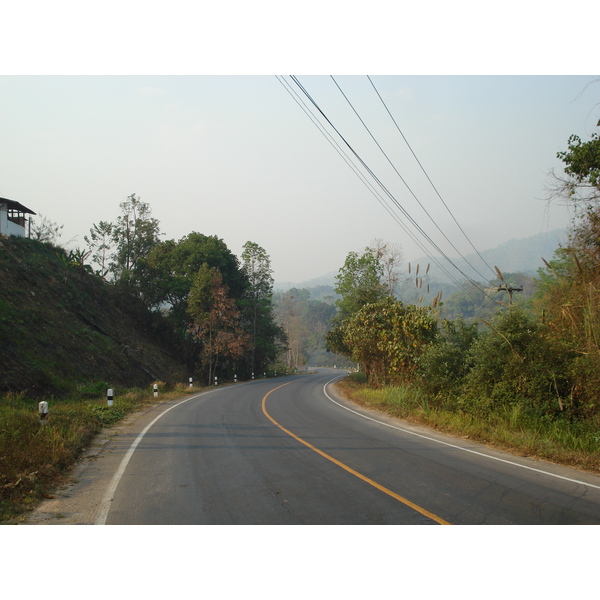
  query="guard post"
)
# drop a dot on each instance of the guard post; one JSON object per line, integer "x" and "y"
{"x": 109, "y": 397}
{"x": 43, "y": 410}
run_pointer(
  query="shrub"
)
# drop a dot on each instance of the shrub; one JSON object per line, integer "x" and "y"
{"x": 445, "y": 363}
{"x": 515, "y": 361}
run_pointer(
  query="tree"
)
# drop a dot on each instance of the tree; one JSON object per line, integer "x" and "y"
{"x": 99, "y": 245}
{"x": 166, "y": 275}
{"x": 258, "y": 307}
{"x": 45, "y": 230}
{"x": 215, "y": 320}
{"x": 359, "y": 282}
{"x": 135, "y": 234}
{"x": 390, "y": 257}
{"x": 387, "y": 337}
{"x": 582, "y": 160}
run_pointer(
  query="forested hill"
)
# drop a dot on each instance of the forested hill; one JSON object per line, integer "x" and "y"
{"x": 515, "y": 256}
{"x": 62, "y": 327}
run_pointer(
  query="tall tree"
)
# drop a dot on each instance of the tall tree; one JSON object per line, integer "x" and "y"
{"x": 359, "y": 282}
{"x": 135, "y": 234}
{"x": 258, "y": 306}
{"x": 216, "y": 320}
{"x": 99, "y": 245}
{"x": 168, "y": 272}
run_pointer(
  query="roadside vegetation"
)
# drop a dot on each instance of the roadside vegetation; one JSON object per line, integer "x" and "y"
{"x": 521, "y": 373}
{"x": 35, "y": 456}
{"x": 526, "y": 378}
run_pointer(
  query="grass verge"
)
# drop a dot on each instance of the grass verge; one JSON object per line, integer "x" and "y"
{"x": 35, "y": 456}
{"x": 511, "y": 428}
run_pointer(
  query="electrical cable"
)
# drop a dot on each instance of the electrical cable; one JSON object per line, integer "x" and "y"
{"x": 403, "y": 180}
{"x": 369, "y": 186}
{"x": 427, "y": 176}
{"x": 383, "y": 187}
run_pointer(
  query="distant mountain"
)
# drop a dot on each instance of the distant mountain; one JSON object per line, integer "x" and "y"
{"x": 515, "y": 256}
{"x": 323, "y": 281}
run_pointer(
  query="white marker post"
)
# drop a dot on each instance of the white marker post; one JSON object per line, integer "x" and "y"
{"x": 191, "y": 381}
{"x": 215, "y": 380}
{"x": 43, "y": 410}
{"x": 156, "y": 390}
{"x": 235, "y": 379}
{"x": 109, "y": 396}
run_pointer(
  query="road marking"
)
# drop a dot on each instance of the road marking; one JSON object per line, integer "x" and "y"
{"x": 110, "y": 492}
{"x": 381, "y": 488}
{"x": 508, "y": 462}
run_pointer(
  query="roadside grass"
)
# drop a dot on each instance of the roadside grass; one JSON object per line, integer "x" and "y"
{"x": 512, "y": 428}
{"x": 35, "y": 456}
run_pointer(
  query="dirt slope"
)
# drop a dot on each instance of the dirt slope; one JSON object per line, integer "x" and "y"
{"x": 62, "y": 327}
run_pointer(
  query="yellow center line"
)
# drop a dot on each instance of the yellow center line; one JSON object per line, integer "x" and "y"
{"x": 347, "y": 468}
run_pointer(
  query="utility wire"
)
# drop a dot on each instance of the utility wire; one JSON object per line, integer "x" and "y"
{"x": 367, "y": 184}
{"x": 402, "y": 178}
{"x": 383, "y": 187}
{"x": 428, "y": 178}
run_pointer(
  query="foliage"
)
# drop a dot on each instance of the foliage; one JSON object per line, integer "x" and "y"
{"x": 45, "y": 230}
{"x": 517, "y": 361}
{"x": 267, "y": 337}
{"x": 387, "y": 337}
{"x": 582, "y": 167}
{"x": 444, "y": 364}
{"x": 359, "y": 283}
{"x": 135, "y": 233}
{"x": 215, "y": 320}
{"x": 99, "y": 245}
{"x": 166, "y": 275}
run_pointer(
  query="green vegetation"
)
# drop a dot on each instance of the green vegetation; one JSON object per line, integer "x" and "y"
{"x": 527, "y": 377}
{"x": 143, "y": 311}
{"x": 35, "y": 455}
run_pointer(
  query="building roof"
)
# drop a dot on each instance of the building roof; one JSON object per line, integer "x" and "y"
{"x": 16, "y": 206}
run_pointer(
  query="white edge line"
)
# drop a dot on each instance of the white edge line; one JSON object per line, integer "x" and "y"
{"x": 110, "y": 492}
{"x": 508, "y": 462}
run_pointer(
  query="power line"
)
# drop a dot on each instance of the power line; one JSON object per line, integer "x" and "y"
{"x": 426, "y": 175}
{"x": 402, "y": 178}
{"x": 378, "y": 181}
{"x": 349, "y": 162}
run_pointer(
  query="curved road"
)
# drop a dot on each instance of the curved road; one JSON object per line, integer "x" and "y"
{"x": 290, "y": 451}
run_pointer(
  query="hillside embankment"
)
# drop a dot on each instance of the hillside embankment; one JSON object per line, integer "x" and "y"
{"x": 62, "y": 327}
{"x": 66, "y": 336}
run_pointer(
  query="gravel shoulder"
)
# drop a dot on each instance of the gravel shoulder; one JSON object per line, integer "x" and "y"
{"x": 78, "y": 500}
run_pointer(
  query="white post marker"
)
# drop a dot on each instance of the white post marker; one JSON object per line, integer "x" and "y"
{"x": 191, "y": 381}
{"x": 215, "y": 380}
{"x": 253, "y": 376}
{"x": 43, "y": 410}
{"x": 156, "y": 390}
{"x": 235, "y": 379}
{"x": 109, "y": 396}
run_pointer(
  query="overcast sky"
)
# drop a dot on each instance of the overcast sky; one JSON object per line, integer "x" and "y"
{"x": 236, "y": 156}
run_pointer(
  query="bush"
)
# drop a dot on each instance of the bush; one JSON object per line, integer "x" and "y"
{"x": 445, "y": 363}
{"x": 515, "y": 361}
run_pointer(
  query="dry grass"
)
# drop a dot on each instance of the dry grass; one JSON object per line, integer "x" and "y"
{"x": 510, "y": 430}
{"x": 34, "y": 456}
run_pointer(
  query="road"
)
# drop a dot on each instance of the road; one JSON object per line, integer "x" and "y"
{"x": 291, "y": 451}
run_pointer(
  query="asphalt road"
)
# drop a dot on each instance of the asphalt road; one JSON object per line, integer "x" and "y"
{"x": 290, "y": 451}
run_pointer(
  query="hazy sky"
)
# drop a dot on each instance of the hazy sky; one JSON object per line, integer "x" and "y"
{"x": 237, "y": 157}
{"x": 185, "y": 109}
